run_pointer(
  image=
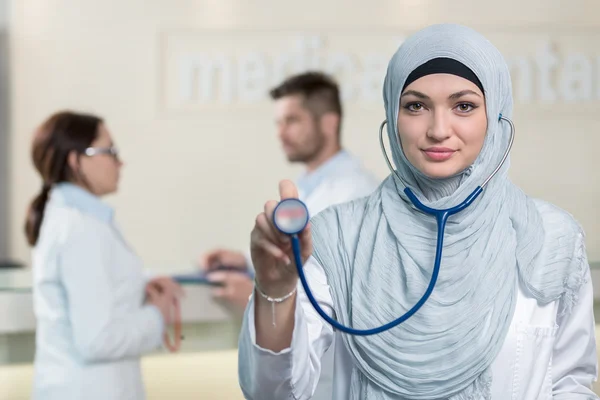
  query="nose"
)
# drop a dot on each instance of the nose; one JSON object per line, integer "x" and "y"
{"x": 281, "y": 130}
{"x": 440, "y": 127}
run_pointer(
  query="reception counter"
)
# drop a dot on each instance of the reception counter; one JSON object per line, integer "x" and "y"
{"x": 207, "y": 324}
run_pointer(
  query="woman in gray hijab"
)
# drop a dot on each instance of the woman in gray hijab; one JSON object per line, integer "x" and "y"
{"x": 511, "y": 314}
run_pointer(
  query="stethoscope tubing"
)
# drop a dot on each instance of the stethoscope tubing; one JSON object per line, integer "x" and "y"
{"x": 441, "y": 217}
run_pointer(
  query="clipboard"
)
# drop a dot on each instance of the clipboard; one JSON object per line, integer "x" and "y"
{"x": 201, "y": 277}
{"x": 197, "y": 278}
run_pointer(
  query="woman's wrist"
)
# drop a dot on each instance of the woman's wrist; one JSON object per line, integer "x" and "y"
{"x": 276, "y": 289}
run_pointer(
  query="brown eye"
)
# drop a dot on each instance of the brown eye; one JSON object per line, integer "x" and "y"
{"x": 465, "y": 107}
{"x": 414, "y": 107}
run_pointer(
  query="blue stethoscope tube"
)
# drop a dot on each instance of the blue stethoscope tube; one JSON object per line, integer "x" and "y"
{"x": 441, "y": 217}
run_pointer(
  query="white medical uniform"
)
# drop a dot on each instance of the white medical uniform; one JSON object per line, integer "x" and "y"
{"x": 340, "y": 179}
{"x": 92, "y": 325}
{"x": 545, "y": 355}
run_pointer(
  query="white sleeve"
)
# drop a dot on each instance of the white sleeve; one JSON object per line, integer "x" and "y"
{"x": 294, "y": 372}
{"x": 249, "y": 264}
{"x": 98, "y": 334}
{"x": 574, "y": 362}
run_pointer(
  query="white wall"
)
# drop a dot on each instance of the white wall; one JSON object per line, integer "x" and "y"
{"x": 4, "y": 128}
{"x": 198, "y": 171}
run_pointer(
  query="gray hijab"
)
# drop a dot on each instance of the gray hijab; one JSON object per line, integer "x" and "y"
{"x": 378, "y": 253}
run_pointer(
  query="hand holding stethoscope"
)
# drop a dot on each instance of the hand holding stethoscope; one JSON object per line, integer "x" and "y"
{"x": 271, "y": 250}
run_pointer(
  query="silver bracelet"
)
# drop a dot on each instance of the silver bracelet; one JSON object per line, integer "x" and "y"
{"x": 273, "y": 300}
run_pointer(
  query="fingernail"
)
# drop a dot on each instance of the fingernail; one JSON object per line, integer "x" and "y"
{"x": 214, "y": 276}
{"x": 287, "y": 261}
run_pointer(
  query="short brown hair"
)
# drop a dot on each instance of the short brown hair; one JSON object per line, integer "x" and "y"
{"x": 320, "y": 91}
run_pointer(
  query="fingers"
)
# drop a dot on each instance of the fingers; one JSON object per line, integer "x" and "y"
{"x": 220, "y": 292}
{"x": 266, "y": 228}
{"x": 273, "y": 250}
{"x": 287, "y": 190}
{"x": 306, "y": 237}
{"x": 306, "y": 242}
{"x": 235, "y": 289}
{"x": 269, "y": 240}
{"x": 173, "y": 288}
{"x": 211, "y": 259}
{"x": 204, "y": 262}
{"x": 222, "y": 287}
{"x": 167, "y": 286}
{"x": 152, "y": 292}
{"x": 217, "y": 277}
{"x": 220, "y": 258}
{"x": 276, "y": 234}
{"x": 269, "y": 208}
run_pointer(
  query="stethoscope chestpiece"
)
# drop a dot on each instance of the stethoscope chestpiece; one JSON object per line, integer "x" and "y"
{"x": 290, "y": 216}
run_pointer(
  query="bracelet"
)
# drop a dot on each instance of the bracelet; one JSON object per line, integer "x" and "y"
{"x": 273, "y": 300}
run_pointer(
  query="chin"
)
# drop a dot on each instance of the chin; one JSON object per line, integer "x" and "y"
{"x": 294, "y": 158}
{"x": 111, "y": 190}
{"x": 440, "y": 170}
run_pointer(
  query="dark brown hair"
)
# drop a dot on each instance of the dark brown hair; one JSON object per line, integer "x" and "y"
{"x": 58, "y": 136}
{"x": 320, "y": 91}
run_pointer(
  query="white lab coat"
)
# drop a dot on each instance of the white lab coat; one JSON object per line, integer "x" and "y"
{"x": 545, "y": 355}
{"x": 92, "y": 325}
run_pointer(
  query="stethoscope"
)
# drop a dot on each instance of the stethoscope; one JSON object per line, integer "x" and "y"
{"x": 291, "y": 217}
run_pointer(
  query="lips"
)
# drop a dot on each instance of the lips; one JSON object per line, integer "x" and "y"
{"x": 439, "y": 153}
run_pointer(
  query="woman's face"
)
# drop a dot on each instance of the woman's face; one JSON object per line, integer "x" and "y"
{"x": 442, "y": 124}
{"x": 101, "y": 171}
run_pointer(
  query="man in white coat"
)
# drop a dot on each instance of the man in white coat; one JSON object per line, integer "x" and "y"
{"x": 308, "y": 113}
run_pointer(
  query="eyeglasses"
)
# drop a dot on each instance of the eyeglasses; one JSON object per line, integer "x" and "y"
{"x": 111, "y": 151}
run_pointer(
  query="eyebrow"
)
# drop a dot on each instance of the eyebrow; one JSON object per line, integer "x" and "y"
{"x": 462, "y": 93}
{"x": 453, "y": 96}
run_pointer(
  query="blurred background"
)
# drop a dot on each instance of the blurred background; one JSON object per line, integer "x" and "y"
{"x": 183, "y": 87}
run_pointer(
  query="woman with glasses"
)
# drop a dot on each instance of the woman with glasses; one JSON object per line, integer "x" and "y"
{"x": 96, "y": 313}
